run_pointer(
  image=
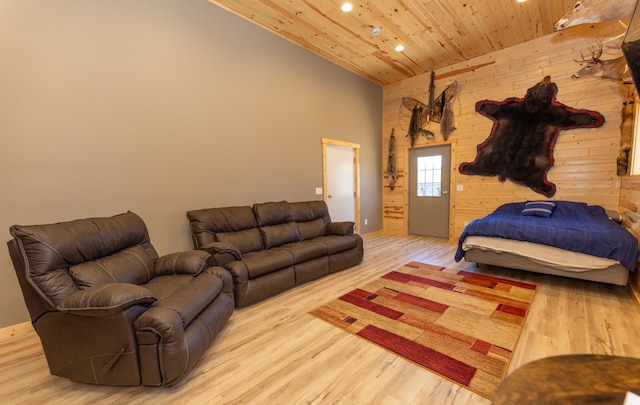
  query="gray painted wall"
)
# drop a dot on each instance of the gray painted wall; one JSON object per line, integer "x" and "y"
{"x": 159, "y": 107}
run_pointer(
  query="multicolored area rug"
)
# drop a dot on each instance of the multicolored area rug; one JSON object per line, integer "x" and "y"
{"x": 461, "y": 325}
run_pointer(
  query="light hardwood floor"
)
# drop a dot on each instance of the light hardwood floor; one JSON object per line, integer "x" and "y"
{"x": 276, "y": 353}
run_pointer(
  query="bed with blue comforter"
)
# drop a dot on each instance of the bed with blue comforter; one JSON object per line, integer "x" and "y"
{"x": 571, "y": 226}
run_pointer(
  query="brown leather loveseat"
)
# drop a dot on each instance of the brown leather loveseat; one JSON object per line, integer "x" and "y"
{"x": 108, "y": 310}
{"x": 274, "y": 246}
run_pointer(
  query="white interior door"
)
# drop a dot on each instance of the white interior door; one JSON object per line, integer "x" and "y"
{"x": 340, "y": 183}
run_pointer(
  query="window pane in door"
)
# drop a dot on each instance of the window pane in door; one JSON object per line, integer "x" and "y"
{"x": 429, "y": 176}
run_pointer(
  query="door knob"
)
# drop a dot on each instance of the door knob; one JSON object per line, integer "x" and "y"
{"x": 330, "y": 196}
{"x": 445, "y": 192}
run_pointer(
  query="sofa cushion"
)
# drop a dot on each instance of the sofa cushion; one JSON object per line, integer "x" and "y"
{"x": 275, "y": 220}
{"x": 266, "y": 261}
{"x": 276, "y": 235}
{"x": 305, "y": 211}
{"x": 304, "y": 250}
{"x": 131, "y": 265}
{"x": 224, "y": 219}
{"x": 185, "y": 294}
{"x": 248, "y": 240}
{"x": 273, "y": 213}
{"x": 312, "y": 218}
{"x": 311, "y": 229}
{"x": 207, "y": 223}
{"x": 336, "y": 244}
{"x": 50, "y": 250}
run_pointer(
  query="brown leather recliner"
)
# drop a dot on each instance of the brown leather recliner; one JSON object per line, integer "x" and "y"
{"x": 108, "y": 310}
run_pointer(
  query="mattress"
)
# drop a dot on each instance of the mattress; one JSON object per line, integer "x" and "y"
{"x": 543, "y": 259}
{"x": 573, "y": 226}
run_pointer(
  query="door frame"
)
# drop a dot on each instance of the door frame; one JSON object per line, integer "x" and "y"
{"x": 452, "y": 180}
{"x": 356, "y": 173}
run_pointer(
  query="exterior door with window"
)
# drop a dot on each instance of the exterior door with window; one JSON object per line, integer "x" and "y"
{"x": 429, "y": 178}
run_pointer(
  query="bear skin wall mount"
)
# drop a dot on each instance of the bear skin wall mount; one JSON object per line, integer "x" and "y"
{"x": 520, "y": 146}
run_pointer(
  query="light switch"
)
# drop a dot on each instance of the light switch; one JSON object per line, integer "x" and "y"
{"x": 459, "y": 187}
{"x": 318, "y": 190}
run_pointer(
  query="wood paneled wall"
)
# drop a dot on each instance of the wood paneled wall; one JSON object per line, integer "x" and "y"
{"x": 585, "y": 159}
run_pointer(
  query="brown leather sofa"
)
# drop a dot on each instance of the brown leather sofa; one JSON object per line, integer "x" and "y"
{"x": 108, "y": 310}
{"x": 274, "y": 246}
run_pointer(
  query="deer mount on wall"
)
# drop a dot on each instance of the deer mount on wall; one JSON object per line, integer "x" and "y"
{"x": 594, "y": 66}
{"x": 594, "y": 11}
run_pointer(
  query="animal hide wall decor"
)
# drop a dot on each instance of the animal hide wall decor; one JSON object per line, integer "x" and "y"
{"x": 525, "y": 130}
{"x": 432, "y": 94}
{"x": 443, "y": 110}
{"x": 439, "y": 109}
{"x": 446, "y": 107}
{"x": 392, "y": 168}
{"x": 626, "y": 135}
{"x": 415, "y": 125}
{"x": 419, "y": 117}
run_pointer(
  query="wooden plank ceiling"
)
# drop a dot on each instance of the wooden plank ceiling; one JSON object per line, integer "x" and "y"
{"x": 435, "y": 33}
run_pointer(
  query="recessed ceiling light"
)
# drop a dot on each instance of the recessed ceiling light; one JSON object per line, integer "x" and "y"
{"x": 346, "y": 7}
{"x": 399, "y": 48}
{"x": 521, "y": 1}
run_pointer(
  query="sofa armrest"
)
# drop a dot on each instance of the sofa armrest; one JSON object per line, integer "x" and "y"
{"x": 165, "y": 323}
{"x": 189, "y": 262}
{"x": 340, "y": 228}
{"x": 106, "y": 299}
{"x": 222, "y": 253}
{"x": 221, "y": 247}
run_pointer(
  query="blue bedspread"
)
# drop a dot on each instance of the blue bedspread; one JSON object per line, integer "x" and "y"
{"x": 572, "y": 226}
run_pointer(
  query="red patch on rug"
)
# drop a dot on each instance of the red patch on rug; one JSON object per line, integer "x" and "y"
{"x": 424, "y": 356}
